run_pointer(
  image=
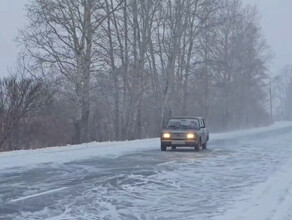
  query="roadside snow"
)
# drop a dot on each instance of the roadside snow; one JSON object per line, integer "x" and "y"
{"x": 65, "y": 154}
{"x": 241, "y": 133}
{"x": 269, "y": 200}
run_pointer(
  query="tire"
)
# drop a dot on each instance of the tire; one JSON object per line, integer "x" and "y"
{"x": 173, "y": 147}
{"x": 198, "y": 146}
{"x": 204, "y": 146}
{"x": 163, "y": 147}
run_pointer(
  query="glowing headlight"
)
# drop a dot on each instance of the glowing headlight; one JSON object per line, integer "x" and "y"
{"x": 166, "y": 135}
{"x": 191, "y": 136}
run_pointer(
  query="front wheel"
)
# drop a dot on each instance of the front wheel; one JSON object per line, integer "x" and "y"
{"x": 204, "y": 146}
{"x": 198, "y": 146}
{"x": 162, "y": 147}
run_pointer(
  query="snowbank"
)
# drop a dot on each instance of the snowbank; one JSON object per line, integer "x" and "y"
{"x": 268, "y": 200}
{"x": 64, "y": 154}
{"x": 241, "y": 133}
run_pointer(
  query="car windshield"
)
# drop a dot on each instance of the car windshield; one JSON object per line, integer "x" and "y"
{"x": 183, "y": 124}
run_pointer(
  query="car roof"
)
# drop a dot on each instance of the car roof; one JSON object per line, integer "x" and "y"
{"x": 187, "y": 117}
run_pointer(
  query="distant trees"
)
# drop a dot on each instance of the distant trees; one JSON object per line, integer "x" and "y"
{"x": 288, "y": 102}
{"x": 282, "y": 92}
{"x": 19, "y": 96}
{"x": 236, "y": 55}
{"x": 121, "y": 68}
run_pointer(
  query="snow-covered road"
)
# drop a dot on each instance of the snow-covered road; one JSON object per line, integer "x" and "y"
{"x": 242, "y": 175}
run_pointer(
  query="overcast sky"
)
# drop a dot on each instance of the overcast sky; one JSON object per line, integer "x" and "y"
{"x": 276, "y": 20}
{"x": 12, "y": 17}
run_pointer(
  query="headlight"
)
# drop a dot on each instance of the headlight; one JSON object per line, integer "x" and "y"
{"x": 166, "y": 135}
{"x": 191, "y": 136}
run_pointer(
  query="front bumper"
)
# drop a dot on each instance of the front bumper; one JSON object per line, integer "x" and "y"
{"x": 179, "y": 143}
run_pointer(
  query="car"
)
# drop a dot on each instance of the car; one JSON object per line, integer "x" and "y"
{"x": 185, "y": 131}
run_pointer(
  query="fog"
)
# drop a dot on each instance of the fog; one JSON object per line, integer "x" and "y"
{"x": 275, "y": 20}
{"x": 121, "y": 72}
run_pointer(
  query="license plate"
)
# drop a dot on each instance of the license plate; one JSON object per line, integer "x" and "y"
{"x": 178, "y": 142}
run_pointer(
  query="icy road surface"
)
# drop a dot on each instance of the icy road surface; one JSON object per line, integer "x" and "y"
{"x": 242, "y": 175}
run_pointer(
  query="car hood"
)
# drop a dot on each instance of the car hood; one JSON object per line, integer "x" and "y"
{"x": 179, "y": 131}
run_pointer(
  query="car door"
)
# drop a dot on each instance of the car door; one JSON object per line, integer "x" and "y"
{"x": 203, "y": 131}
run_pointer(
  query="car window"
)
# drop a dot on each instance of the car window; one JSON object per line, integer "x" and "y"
{"x": 202, "y": 123}
{"x": 183, "y": 123}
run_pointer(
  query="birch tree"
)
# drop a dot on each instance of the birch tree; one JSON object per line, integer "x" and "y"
{"x": 62, "y": 35}
{"x": 123, "y": 67}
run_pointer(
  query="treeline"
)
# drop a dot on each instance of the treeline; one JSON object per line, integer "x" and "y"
{"x": 118, "y": 69}
{"x": 281, "y": 86}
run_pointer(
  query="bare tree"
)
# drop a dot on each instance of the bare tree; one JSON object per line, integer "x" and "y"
{"x": 282, "y": 87}
{"x": 19, "y": 96}
{"x": 61, "y": 36}
{"x": 123, "y": 67}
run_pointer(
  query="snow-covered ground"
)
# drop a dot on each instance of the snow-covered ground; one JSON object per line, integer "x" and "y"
{"x": 242, "y": 175}
{"x": 65, "y": 154}
{"x": 271, "y": 199}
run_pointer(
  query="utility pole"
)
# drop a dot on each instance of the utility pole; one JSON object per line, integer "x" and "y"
{"x": 271, "y": 102}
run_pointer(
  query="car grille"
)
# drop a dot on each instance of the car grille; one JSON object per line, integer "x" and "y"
{"x": 177, "y": 136}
